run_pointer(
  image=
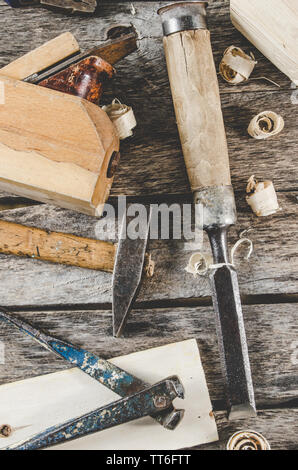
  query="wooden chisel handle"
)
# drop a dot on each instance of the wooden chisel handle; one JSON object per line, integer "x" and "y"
{"x": 197, "y": 103}
{"x": 42, "y": 57}
{"x": 57, "y": 247}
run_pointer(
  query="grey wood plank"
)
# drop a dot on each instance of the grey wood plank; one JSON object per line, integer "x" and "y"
{"x": 272, "y": 268}
{"x": 279, "y": 427}
{"x": 271, "y": 335}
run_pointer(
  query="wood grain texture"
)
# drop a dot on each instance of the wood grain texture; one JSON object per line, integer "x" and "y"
{"x": 272, "y": 344}
{"x": 61, "y": 248}
{"x": 54, "y": 147}
{"x": 42, "y": 57}
{"x": 197, "y": 106}
{"x": 272, "y": 267}
{"x": 271, "y": 25}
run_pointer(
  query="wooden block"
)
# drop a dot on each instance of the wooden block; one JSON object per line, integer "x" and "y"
{"x": 55, "y": 147}
{"x": 44, "y": 56}
{"x": 272, "y": 26}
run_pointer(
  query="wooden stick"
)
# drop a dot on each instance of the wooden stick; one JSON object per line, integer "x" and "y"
{"x": 44, "y": 56}
{"x": 57, "y": 247}
{"x": 198, "y": 110}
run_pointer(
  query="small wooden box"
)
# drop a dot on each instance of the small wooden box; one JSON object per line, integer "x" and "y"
{"x": 54, "y": 147}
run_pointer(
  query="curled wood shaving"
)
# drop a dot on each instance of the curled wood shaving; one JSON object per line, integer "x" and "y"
{"x": 236, "y": 66}
{"x": 261, "y": 197}
{"x": 123, "y": 118}
{"x": 265, "y": 124}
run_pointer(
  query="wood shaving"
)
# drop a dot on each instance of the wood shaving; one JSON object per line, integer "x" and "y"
{"x": 123, "y": 118}
{"x": 201, "y": 265}
{"x": 236, "y": 66}
{"x": 261, "y": 197}
{"x": 265, "y": 124}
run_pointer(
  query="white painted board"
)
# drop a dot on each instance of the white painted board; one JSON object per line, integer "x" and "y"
{"x": 32, "y": 405}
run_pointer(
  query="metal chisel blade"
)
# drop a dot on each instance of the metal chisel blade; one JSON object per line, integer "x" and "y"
{"x": 129, "y": 264}
{"x": 232, "y": 342}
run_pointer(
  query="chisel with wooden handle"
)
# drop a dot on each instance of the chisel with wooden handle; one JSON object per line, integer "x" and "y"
{"x": 200, "y": 123}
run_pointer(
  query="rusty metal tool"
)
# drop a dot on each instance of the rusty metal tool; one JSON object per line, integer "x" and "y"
{"x": 68, "y": 6}
{"x": 128, "y": 271}
{"x": 84, "y": 74}
{"x": 197, "y": 105}
{"x": 114, "y": 378}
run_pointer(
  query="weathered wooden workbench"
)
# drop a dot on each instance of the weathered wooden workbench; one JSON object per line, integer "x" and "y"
{"x": 75, "y": 304}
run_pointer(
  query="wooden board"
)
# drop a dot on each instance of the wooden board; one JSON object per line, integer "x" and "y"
{"x": 272, "y": 344}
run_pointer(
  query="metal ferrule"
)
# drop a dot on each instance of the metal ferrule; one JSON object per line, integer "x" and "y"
{"x": 183, "y": 16}
{"x": 218, "y": 204}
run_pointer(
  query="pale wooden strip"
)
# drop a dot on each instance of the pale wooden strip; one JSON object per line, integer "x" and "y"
{"x": 44, "y": 56}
